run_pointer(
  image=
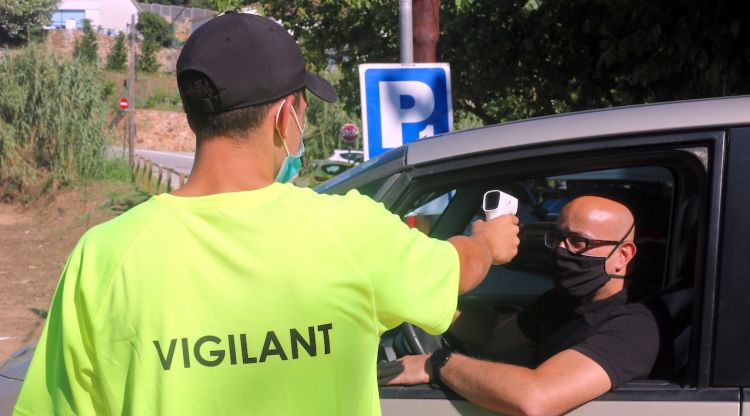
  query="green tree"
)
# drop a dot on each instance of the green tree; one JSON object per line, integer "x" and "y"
{"x": 86, "y": 47}
{"x": 155, "y": 29}
{"x": 574, "y": 55}
{"x": 324, "y": 121}
{"x": 21, "y": 18}
{"x": 515, "y": 59}
{"x": 224, "y": 5}
{"x": 117, "y": 57}
{"x": 345, "y": 34}
{"x": 147, "y": 61}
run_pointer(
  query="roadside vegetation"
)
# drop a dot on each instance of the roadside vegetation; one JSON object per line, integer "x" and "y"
{"x": 22, "y": 20}
{"x": 122, "y": 194}
{"x": 52, "y": 117}
{"x": 324, "y": 121}
{"x": 55, "y": 111}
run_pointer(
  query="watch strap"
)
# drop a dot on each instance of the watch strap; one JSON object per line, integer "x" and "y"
{"x": 438, "y": 360}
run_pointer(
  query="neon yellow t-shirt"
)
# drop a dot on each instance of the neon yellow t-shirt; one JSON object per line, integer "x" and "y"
{"x": 266, "y": 302}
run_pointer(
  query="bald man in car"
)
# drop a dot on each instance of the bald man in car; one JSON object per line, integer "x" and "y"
{"x": 588, "y": 338}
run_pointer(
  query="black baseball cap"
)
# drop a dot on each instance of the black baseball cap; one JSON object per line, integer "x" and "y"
{"x": 250, "y": 59}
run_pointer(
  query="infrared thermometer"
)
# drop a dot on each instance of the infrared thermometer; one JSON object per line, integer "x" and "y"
{"x": 496, "y": 203}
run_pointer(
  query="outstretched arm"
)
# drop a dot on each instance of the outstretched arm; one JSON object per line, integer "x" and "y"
{"x": 491, "y": 242}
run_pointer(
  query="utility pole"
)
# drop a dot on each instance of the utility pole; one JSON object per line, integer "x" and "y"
{"x": 405, "y": 31}
{"x": 131, "y": 94}
{"x": 426, "y": 30}
{"x": 419, "y": 29}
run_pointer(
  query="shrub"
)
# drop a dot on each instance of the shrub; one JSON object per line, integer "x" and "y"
{"x": 52, "y": 116}
{"x": 155, "y": 29}
{"x": 163, "y": 100}
{"x": 86, "y": 47}
{"x": 147, "y": 61}
{"x": 118, "y": 55}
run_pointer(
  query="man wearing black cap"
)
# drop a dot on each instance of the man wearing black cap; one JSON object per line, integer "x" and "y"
{"x": 239, "y": 294}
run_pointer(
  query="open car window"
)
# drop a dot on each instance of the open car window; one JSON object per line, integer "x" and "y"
{"x": 428, "y": 209}
{"x": 647, "y": 190}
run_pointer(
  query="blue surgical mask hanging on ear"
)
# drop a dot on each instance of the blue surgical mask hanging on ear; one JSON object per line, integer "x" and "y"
{"x": 292, "y": 164}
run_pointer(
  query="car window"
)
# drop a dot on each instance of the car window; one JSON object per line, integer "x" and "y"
{"x": 372, "y": 188}
{"x": 427, "y": 209}
{"x": 647, "y": 191}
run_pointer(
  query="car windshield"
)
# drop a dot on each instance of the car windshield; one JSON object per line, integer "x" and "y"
{"x": 334, "y": 169}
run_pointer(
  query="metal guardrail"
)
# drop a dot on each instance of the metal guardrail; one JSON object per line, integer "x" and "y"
{"x": 153, "y": 176}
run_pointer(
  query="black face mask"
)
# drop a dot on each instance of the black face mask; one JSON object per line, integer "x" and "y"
{"x": 580, "y": 275}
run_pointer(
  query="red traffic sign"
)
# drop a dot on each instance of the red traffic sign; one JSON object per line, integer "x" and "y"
{"x": 349, "y": 133}
{"x": 124, "y": 103}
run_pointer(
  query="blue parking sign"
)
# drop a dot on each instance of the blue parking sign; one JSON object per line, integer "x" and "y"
{"x": 403, "y": 103}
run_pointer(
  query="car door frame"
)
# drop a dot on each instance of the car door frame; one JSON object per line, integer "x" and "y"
{"x": 670, "y": 398}
{"x": 731, "y": 362}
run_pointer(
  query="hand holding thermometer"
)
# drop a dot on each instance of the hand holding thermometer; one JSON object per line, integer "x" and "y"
{"x": 496, "y": 203}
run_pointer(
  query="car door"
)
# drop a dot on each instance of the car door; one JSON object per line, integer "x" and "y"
{"x": 696, "y": 159}
{"x": 732, "y": 343}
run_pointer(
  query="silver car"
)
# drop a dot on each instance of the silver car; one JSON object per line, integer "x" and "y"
{"x": 684, "y": 169}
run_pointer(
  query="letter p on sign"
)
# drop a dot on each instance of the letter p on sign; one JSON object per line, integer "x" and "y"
{"x": 403, "y": 103}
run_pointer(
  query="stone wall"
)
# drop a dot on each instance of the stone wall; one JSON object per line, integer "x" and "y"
{"x": 158, "y": 130}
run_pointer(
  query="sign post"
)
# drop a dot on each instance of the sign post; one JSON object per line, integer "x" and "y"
{"x": 124, "y": 104}
{"x": 403, "y": 103}
{"x": 131, "y": 94}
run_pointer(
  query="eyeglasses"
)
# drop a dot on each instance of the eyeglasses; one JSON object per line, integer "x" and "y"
{"x": 578, "y": 244}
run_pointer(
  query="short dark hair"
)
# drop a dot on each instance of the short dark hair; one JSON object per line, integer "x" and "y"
{"x": 233, "y": 123}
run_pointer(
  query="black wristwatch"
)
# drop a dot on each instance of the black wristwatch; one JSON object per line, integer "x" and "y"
{"x": 438, "y": 360}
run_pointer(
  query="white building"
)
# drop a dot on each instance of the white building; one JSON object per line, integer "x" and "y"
{"x": 105, "y": 15}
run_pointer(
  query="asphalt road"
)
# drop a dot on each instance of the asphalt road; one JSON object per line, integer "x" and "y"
{"x": 180, "y": 161}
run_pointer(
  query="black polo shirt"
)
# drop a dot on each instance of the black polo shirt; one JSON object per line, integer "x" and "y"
{"x": 621, "y": 337}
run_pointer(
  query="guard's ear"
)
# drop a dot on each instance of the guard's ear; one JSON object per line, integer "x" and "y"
{"x": 282, "y": 116}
